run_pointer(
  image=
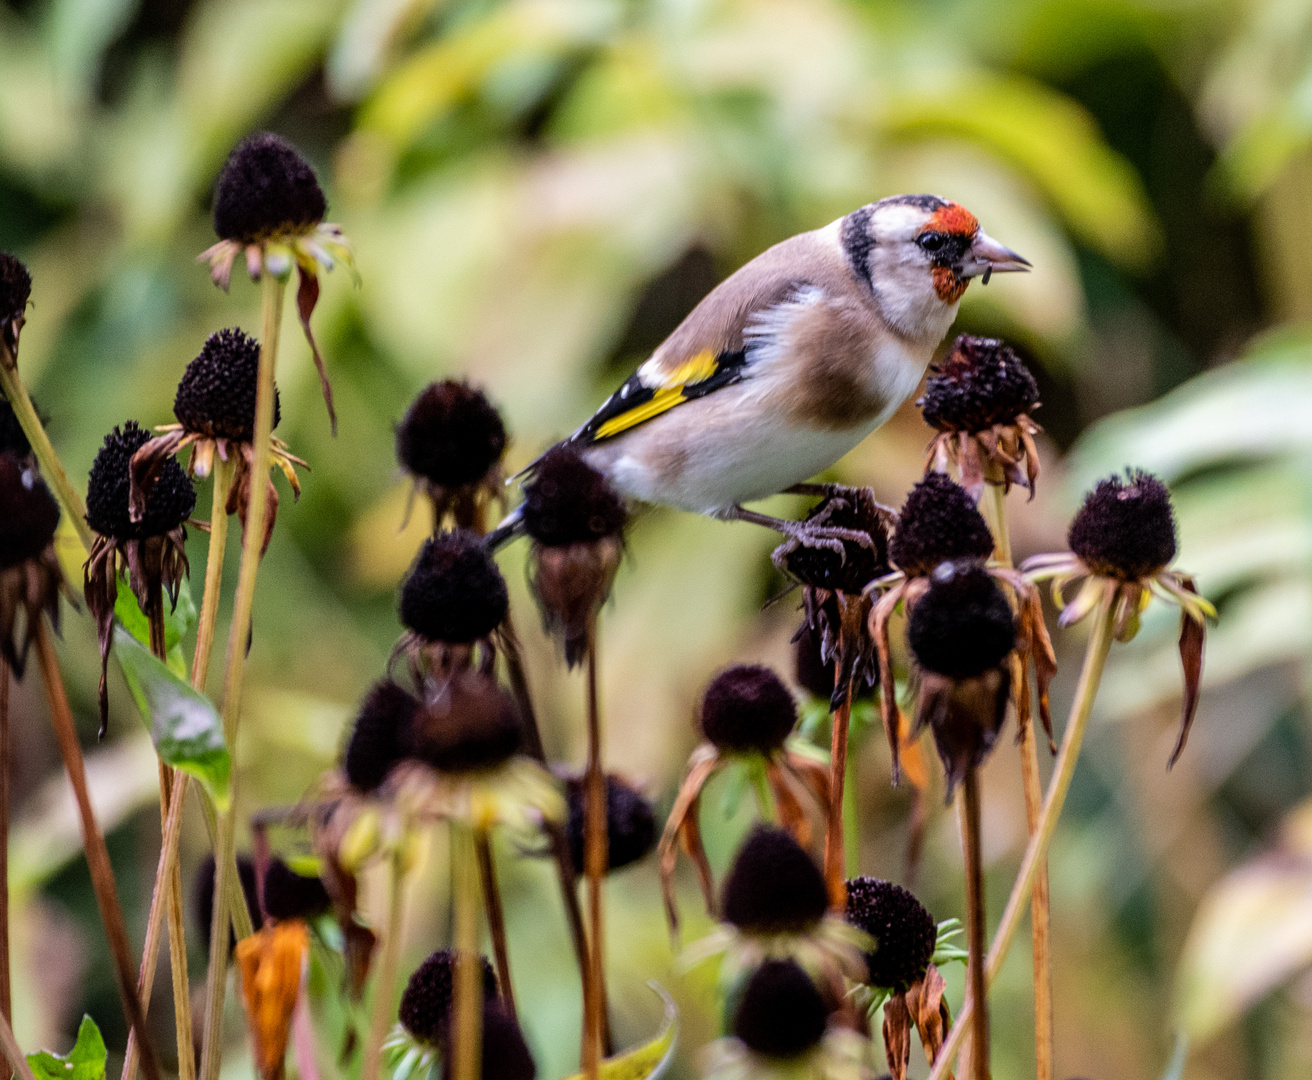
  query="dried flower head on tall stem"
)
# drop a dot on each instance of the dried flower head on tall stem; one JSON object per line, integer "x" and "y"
{"x": 30, "y": 576}
{"x": 630, "y": 822}
{"x": 15, "y": 291}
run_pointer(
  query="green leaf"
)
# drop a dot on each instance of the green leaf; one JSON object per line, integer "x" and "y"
{"x": 185, "y": 728}
{"x": 86, "y": 1061}
{"x": 649, "y": 1060}
{"x": 178, "y": 619}
{"x": 945, "y": 949}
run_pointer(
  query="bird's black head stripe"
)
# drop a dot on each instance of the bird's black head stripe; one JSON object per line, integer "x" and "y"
{"x": 927, "y": 203}
{"x": 857, "y": 242}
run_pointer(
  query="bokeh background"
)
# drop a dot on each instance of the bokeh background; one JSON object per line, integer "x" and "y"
{"x": 538, "y": 190}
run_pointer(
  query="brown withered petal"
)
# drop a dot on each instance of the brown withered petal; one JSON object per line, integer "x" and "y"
{"x": 26, "y": 590}
{"x": 1192, "y": 635}
{"x": 897, "y": 1036}
{"x": 965, "y": 716}
{"x": 269, "y": 963}
{"x": 571, "y": 583}
{"x": 929, "y": 1012}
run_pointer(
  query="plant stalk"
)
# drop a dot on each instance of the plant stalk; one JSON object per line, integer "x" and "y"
{"x": 835, "y": 856}
{"x": 595, "y": 860}
{"x": 6, "y": 992}
{"x": 238, "y": 639}
{"x": 975, "y": 931}
{"x": 69, "y": 500}
{"x": 995, "y": 509}
{"x": 209, "y": 605}
{"x": 380, "y": 1018}
{"x": 1095, "y": 659}
{"x": 468, "y": 999}
{"x": 102, "y": 873}
{"x": 496, "y": 919}
{"x": 13, "y": 1052}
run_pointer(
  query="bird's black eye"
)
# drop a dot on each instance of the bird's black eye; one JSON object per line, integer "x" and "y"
{"x": 931, "y": 241}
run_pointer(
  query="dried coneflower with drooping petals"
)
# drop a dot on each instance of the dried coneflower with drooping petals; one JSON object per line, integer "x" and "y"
{"x": 901, "y": 970}
{"x": 375, "y": 744}
{"x": 452, "y": 602}
{"x": 425, "y": 1010}
{"x": 961, "y": 632}
{"x": 980, "y": 400}
{"x": 1122, "y": 542}
{"x": 780, "y": 1013}
{"x": 215, "y": 410}
{"x": 269, "y": 207}
{"x": 470, "y": 724}
{"x": 152, "y": 546}
{"x": 451, "y": 442}
{"x": 30, "y": 575}
{"x": 630, "y": 823}
{"x": 747, "y": 716}
{"x": 15, "y": 291}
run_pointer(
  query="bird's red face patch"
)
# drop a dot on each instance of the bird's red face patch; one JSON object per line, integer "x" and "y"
{"x": 953, "y": 228}
{"x": 954, "y": 219}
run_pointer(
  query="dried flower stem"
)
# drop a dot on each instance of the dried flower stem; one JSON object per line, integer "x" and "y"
{"x": 468, "y": 998}
{"x": 975, "y": 932}
{"x": 209, "y": 605}
{"x": 995, "y": 510}
{"x": 102, "y": 873}
{"x": 13, "y": 1052}
{"x": 6, "y": 993}
{"x": 384, "y": 1008}
{"x": 496, "y": 919}
{"x": 835, "y": 869}
{"x": 1095, "y": 659}
{"x": 595, "y": 848}
{"x": 71, "y": 502}
{"x": 238, "y": 638}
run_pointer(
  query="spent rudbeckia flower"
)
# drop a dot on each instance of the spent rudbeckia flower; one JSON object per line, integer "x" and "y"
{"x": 15, "y": 290}
{"x": 215, "y": 410}
{"x": 980, "y": 399}
{"x": 420, "y": 1038}
{"x": 30, "y": 576}
{"x": 1122, "y": 542}
{"x": 151, "y": 544}
{"x": 269, "y": 207}
{"x": 630, "y": 822}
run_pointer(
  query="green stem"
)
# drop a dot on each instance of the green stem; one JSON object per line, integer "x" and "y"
{"x": 209, "y": 606}
{"x": 12, "y": 385}
{"x": 755, "y": 767}
{"x": 238, "y": 637}
{"x": 13, "y": 1052}
{"x": 467, "y": 1006}
{"x": 380, "y": 1019}
{"x": 1095, "y": 659}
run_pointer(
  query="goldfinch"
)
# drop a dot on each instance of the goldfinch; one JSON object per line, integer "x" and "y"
{"x": 790, "y": 362}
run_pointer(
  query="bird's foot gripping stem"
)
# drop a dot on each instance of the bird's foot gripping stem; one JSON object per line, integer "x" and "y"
{"x": 812, "y": 533}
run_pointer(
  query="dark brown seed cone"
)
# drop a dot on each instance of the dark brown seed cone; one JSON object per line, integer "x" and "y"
{"x": 904, "y": 931}
{"x": 571, "y": 583}
{"x": 28, "y": 512}
{"x": 15, "y": 290}
{"x": 962, "y": 626}
{"x": 266, "y": 189}
{"x": 375, "y": 745}
{"x": 202, "y": 897}
{"x": 774, "y": 886}
{"x": 216, "y": 395}
{"x": 454, "y": 592}
{"x": 630, "y": 823}
{"x": 939, "y": 522}
{"x": 451, "y": 435}
{"x": 747, "y": 708}
{"x": 13, "y": 439}
{"x": 425, "y": 1009}
{"x": 822, "y": 568}
{"x": 1126, "y": 528}
{"x": 812, "y": 673}
{"x": 169, "y": 502}
{"x": 289, "y": 895}
{"x": 781, "y": 1013}
{"x": 505, "y": 1053}
{"x": 983, "y": 382}
{"x": 471, "y": 724}
{"x": 569, "y": 502}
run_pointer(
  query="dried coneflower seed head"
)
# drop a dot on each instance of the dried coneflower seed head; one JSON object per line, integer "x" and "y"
{"x": 1126, "y": 528}
{"x": 747, "y": 707}
{"x": 454, "y": 592}
{"x": 28, "y": 512}
{"x": 505, "y": 1054}
{"x": 202, "y": 896}
{"x": 963, "y": 625}
{"x": 570, "y": 502}
{"x": 386, "y": 713}
{"x": 812, "y": 673}
{"x": 264, "y": 189}
{"x": 781, "y": 1013}
{"x": 824, "y": 568}
{"x": 905, "y": 933}
{"x": 13, "y": 440}
{"x": 289, "y": 895}
{"x": 426, "y": 1003}
{"x": 630, "y": 822}
{"x": 15, "y": 290}
{"x": 168, "y": 505}
{"x": 216, "y": 395}
{"x": 774, "y": 886}
{"x": 473, "y": 724}
{"x": 451, "y": 435}
{"x": 939, "y": 523}
{"x": 982, "y": 383}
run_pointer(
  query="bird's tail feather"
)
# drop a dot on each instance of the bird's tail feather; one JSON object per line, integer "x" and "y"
{"x": 512, "y": 525}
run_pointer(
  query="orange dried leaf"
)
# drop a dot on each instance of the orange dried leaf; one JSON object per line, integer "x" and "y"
{"x": 270, "y": 963}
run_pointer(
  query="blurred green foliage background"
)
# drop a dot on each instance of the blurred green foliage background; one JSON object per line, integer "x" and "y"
{"x": 538, "y": 190}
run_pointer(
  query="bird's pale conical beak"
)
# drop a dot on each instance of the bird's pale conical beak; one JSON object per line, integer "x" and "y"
{"x": 988, "y": 257}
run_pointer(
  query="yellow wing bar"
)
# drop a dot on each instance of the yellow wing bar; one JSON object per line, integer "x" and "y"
{"x": 671, "y": 393}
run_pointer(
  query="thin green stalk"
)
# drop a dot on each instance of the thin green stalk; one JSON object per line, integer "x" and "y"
{"x": 595, "y": 848}
{"x": 71, "y": 502}
{"x": 239, "y": 633}
{"x": 209, "y": 605}
{"x": 380, "y": 1019}
{"x": 468, "y": 999}
{"x": 755, "y": 767}
{"x": 995, "y": 510}
{"x": 1095, "y": 659}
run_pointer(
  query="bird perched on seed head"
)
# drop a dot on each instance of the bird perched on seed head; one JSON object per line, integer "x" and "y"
{"x": 790, "y": 362}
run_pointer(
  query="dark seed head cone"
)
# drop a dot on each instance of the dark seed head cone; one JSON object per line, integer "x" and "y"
{"x": 216, "y": 395}
{"x": 774, "y": 886}
{"x": 426, "y": 1004}
{"x": 982, "y": 383}
{"x": 1126, "y": 528}
{"x": 13, "y": 440}
{"x": 747, "y": 707}
{"x": 473, "y": 724}
{"x": 963, "y": 625}
{"x": 454, "y": 592}
{"x": 265, "y": 189}
{"x": 169, "y": 504}
{"x": 505, "y": 1053}
{"x": 905, "y": 933}
{"x": 630, "y": 823}
{"x": 386, "y": 713}
{"x": 28, "y": 512}
{"x": 823, "y": 568}
{"x": 781, "y": 1013}
{"x": 202, "y": 896}
{"x": 15, "y": 288}
{"x": 289, "y": 895}
{"x": 451, "y": 435}
{"x": 570, "y": 502}
{"x": 813, "y": 674}
{"x": 939, "y": 522}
